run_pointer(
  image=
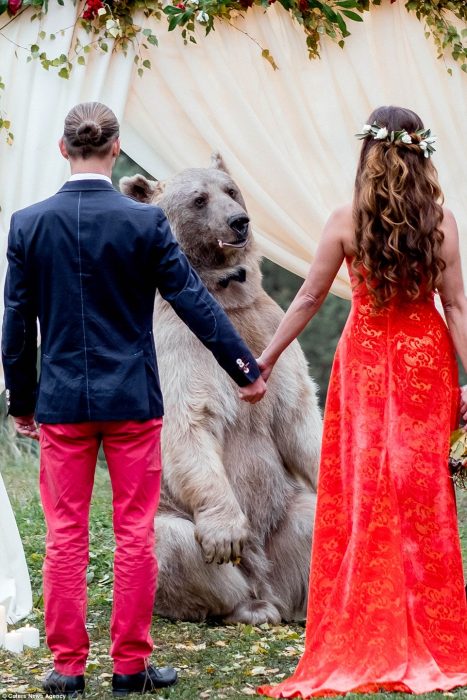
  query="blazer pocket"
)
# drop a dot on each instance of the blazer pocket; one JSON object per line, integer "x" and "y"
{"x": 119, "y": 383}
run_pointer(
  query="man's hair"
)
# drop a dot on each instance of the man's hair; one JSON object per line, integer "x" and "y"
{"x": 90, "y": 130}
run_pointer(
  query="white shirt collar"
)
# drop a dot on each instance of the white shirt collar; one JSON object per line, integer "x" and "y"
{"x": 89, "y": 176}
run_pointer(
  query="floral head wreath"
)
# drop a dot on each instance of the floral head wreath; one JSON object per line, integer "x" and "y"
{"x": 381, "y": 133}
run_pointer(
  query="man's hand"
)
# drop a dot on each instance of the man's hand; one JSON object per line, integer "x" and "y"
{"x": 253, "y": 392}
{"x": 26, "y": 426}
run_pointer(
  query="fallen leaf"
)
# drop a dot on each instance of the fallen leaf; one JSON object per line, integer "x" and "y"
{"x": 258, "y": 671}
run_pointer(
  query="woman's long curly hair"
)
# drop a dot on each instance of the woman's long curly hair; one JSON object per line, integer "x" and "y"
{"x": 397, "y": 213}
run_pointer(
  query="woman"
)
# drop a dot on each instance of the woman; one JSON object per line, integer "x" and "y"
{"x": 387, "y": 607}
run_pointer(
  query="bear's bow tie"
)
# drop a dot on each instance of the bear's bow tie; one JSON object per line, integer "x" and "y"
{"x": 237, "y": 276}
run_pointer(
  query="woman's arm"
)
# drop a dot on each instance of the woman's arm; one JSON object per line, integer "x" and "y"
{"x": 452, "y": 293}
{"x": 329, "y": 257}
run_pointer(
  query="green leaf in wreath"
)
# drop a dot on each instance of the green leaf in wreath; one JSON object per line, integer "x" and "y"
{"x": 352, "y": 15}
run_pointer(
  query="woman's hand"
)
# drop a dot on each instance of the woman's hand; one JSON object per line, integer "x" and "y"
{"x": 265, "y": 366}
{"x": 464, "y": 402}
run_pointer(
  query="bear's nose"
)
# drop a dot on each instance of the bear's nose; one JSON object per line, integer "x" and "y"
{"x": 239, "y": 224}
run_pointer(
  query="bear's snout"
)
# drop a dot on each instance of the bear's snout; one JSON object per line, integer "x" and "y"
{"x": 239, "y": 224}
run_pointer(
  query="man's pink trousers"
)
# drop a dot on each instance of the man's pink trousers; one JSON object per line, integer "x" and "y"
{"x": 68, "y": 462}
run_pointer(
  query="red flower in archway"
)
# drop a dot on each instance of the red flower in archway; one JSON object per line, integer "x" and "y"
{"x": 13, "y": 6}
{"x": 92, "y": 7}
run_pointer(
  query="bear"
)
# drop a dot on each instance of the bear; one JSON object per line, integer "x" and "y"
{"x": 235, "y": 520}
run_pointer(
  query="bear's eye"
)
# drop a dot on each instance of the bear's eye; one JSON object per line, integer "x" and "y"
{"x": 232, "y": 193}
{"x": 200, "y": 202}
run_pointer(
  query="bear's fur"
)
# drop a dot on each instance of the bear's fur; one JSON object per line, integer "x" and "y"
{"x": 237, "y": 477}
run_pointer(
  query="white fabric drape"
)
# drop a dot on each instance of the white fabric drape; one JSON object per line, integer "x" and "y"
{"x": 15, "y": 588}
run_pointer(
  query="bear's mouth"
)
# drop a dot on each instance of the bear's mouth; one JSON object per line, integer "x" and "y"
{"x": 238, "y": 244}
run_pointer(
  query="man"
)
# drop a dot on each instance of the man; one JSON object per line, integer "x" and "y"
{"x": 87, "y": 263}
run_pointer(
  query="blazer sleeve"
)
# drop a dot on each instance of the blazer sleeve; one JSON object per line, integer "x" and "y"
{"x": 19, "y": 332}
{"x": 181, "y": 286}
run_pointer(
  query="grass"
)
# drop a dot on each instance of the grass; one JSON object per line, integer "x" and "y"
{"x": 214, "y": 661}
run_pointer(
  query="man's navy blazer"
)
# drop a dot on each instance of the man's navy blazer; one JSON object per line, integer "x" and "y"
{"x": 87, "y": 263}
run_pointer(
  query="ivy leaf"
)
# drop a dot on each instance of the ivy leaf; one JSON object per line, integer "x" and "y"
{"x": 346, "y": 3}
{"x": 341, "y": 24}
{"x": 352, "y": 15}
{"x": 330, "y": 14}
{"x": 152, "y": 39}
{"x": 64, "y": 73}
{"x": 265, "y": 53}
{"x": 147, "y": 64}
{"x": 81, "y": 60}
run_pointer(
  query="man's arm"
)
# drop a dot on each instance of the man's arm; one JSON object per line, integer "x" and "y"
{"x": 181, "y": 286}
{"x": 19, "y": 339}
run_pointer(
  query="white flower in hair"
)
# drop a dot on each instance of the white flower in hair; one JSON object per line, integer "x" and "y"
{"x": 366, "y": 128}
{"x": 202, "y": 17}
{"x": 381, "y": 133}
{"x": 423, "y": 145}
{"x": 431, "y": 139}
{"x": 406, "y": 138}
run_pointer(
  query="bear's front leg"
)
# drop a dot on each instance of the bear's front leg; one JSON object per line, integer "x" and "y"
{"x": 194, "y": 475}
{"x": 221, "y": 537}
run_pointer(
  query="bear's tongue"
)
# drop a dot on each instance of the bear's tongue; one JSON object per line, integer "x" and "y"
{"x": 223, "y": 244}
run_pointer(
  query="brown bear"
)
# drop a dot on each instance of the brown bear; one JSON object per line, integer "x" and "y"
{"x": 236, "y": 515}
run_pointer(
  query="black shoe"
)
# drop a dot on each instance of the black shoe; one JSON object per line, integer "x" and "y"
{"x": 57, "y": 684}
{"x": 143, "y": 682}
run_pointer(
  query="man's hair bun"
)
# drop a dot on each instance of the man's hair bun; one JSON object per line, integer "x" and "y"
{"x": 88, "y": 133}
{"x": 90, "y": 129}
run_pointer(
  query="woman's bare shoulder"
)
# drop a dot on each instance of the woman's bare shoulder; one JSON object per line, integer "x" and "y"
{"x": 451, "y": 235}
{"x": 342, "y": 223}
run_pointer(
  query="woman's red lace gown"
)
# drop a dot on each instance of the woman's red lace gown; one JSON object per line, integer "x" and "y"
{"x": 387, "y": 607}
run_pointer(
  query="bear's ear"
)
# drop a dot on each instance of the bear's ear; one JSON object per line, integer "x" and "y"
{"x": 139, "y": 188}
{"x": 217, "y": 162}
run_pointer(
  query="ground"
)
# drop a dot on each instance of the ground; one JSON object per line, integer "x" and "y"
{"x": 214, "y": 661}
